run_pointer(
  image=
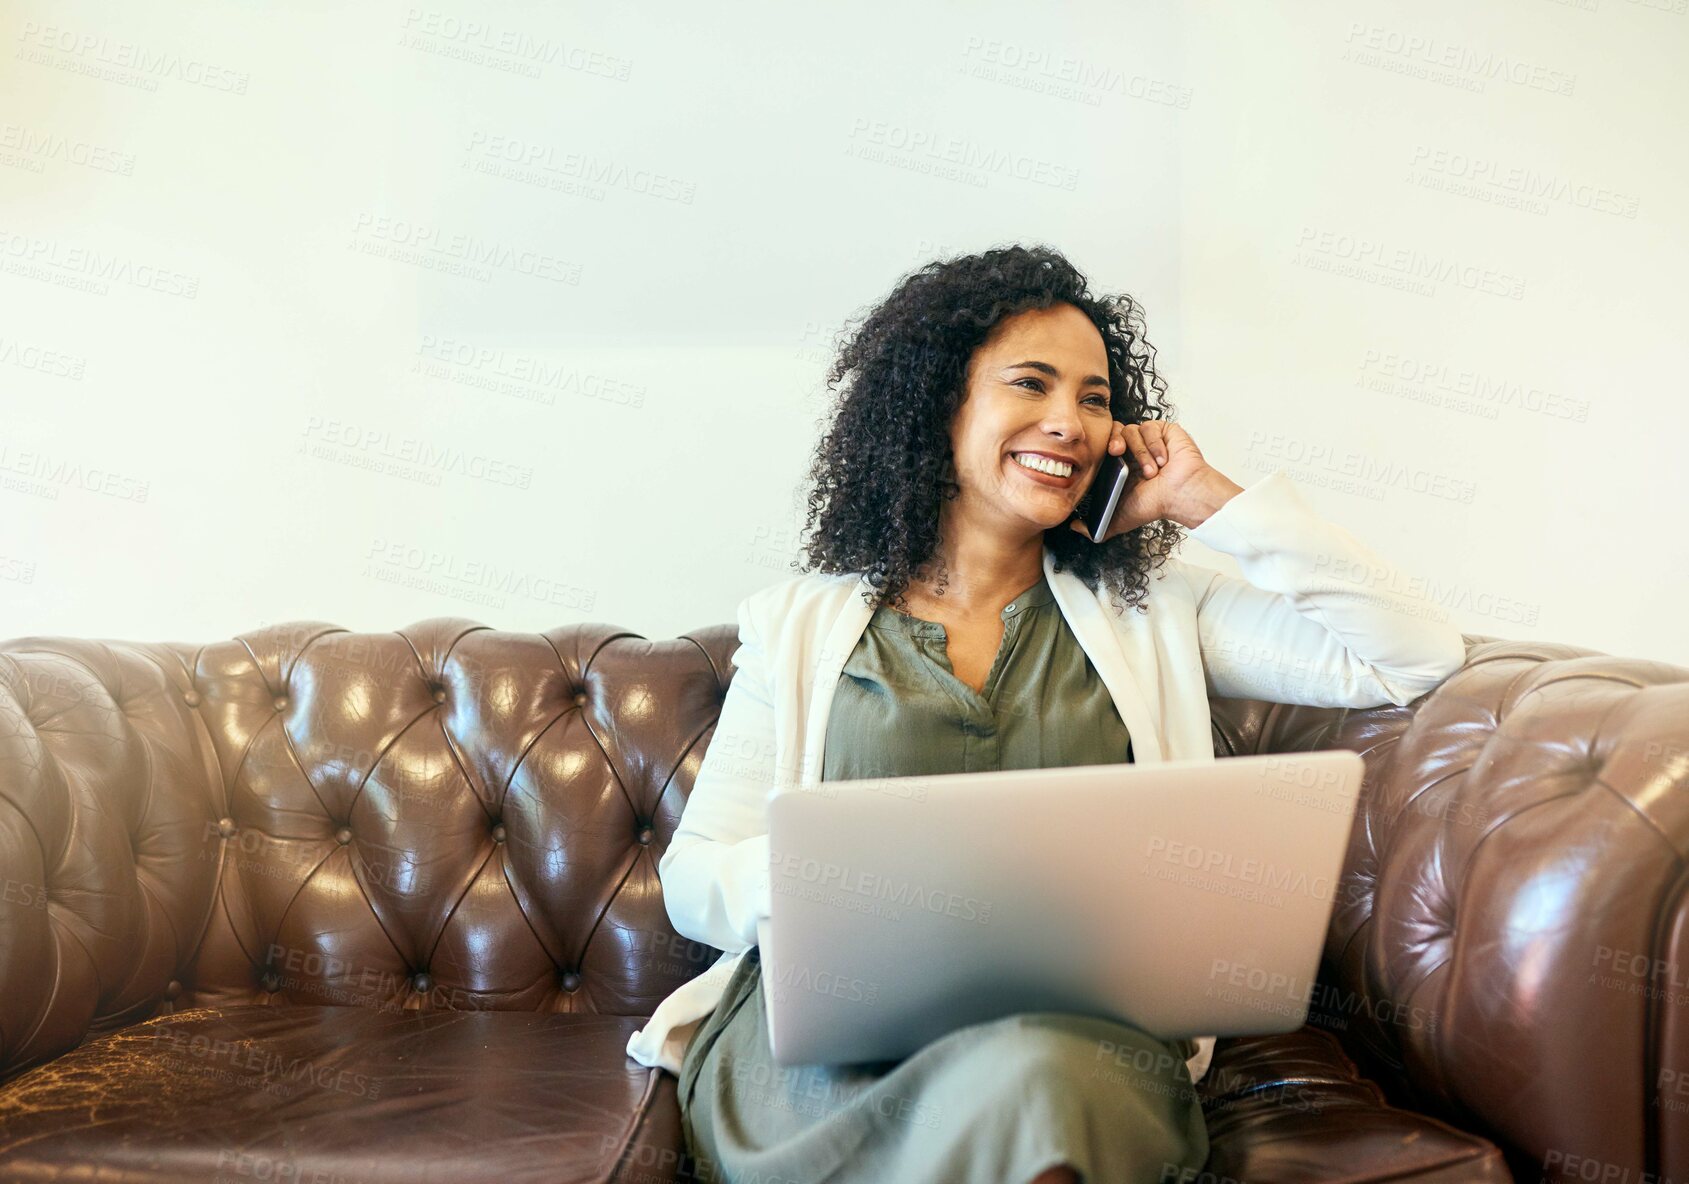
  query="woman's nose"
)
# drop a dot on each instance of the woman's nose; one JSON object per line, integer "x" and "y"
{"x": 1063, "y": 422}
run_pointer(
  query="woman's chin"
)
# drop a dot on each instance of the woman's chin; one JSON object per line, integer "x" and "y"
{"x": 1043, "y": 507}
{"x": 1048, "y": 517}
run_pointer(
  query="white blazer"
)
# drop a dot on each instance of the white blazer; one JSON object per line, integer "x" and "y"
{"x": 1318, "y": 619}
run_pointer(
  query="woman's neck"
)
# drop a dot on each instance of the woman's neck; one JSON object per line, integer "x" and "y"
{"x": 985, "y": 585}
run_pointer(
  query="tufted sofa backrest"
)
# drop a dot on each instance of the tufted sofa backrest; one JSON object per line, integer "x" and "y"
{"x": 452, "y": 816}
{"x": 447, "y": 816}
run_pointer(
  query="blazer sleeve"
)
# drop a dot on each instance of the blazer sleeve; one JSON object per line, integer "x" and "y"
{"x": 715, "y": 871}
{"x": 1319, "y": 619}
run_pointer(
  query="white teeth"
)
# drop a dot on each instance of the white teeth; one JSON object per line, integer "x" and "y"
{"x": 1043, "y": 465}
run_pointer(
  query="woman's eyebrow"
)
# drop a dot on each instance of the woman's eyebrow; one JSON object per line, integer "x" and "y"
{"x": 1090, "y": 379}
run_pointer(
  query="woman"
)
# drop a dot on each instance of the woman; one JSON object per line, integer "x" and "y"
{"x": 959, "y": 618}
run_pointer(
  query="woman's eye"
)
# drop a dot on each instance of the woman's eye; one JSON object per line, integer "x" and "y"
{"x": 1038, "y": 385}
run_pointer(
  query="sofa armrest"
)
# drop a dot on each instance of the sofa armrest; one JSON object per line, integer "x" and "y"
{"x": 106, "y": 787}
{"x": 1509, "y": 947}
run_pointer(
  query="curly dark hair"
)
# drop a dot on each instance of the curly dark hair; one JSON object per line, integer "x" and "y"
{"x": 884, "y": 462}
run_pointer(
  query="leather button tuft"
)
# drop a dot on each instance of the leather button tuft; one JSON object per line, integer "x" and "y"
{"x": 191, "y": 698}
{"x": 281, "y": 702}
{"x": 422, "y": 981}
{"x": 498, "y": 833}
{"x": 270, "y": 981}
{"x": 226, "y": 827}
{"x": 644, "y": 835}
{"x": 571, "y": 981}
{"x": 580, "y": 698}
{"x": 439, "y": 694}
{"x": 343, "y": 835}
{"x": 172, "y": 989}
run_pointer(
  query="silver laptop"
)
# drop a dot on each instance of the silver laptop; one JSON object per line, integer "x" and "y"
{"x": 1187, "y": 898}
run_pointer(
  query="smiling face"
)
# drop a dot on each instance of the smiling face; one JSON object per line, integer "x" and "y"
{"x": 1039, "y": 383}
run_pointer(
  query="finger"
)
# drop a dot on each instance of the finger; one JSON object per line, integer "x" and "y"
{"x": 1117, "y": 439}
{"x": 1140, "y": 449}
{"x": 1155, "y": 437}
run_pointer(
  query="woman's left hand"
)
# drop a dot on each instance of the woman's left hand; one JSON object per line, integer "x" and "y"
{"x": 1168, "y": 478}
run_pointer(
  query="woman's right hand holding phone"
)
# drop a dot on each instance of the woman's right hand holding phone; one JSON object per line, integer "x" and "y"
{"x": 1168, "y": 478}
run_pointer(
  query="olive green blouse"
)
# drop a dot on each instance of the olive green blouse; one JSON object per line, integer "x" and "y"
{"x": 900, "y": 711}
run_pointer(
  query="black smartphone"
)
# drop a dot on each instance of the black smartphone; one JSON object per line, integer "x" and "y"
{"x": 1098, "y": 504}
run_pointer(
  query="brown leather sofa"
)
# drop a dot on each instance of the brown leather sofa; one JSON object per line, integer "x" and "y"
{"x": 315, "y": 907}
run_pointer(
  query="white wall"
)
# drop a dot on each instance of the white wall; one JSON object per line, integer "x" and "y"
{"x": 248, "y": 377}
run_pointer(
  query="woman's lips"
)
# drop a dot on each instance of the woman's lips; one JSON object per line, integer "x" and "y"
{"x": 1045, "y": 478}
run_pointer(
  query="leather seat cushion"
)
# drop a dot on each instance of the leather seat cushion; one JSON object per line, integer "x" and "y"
{"x": 320, "y": 1095}
{"x": 1293, "y": 1109}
